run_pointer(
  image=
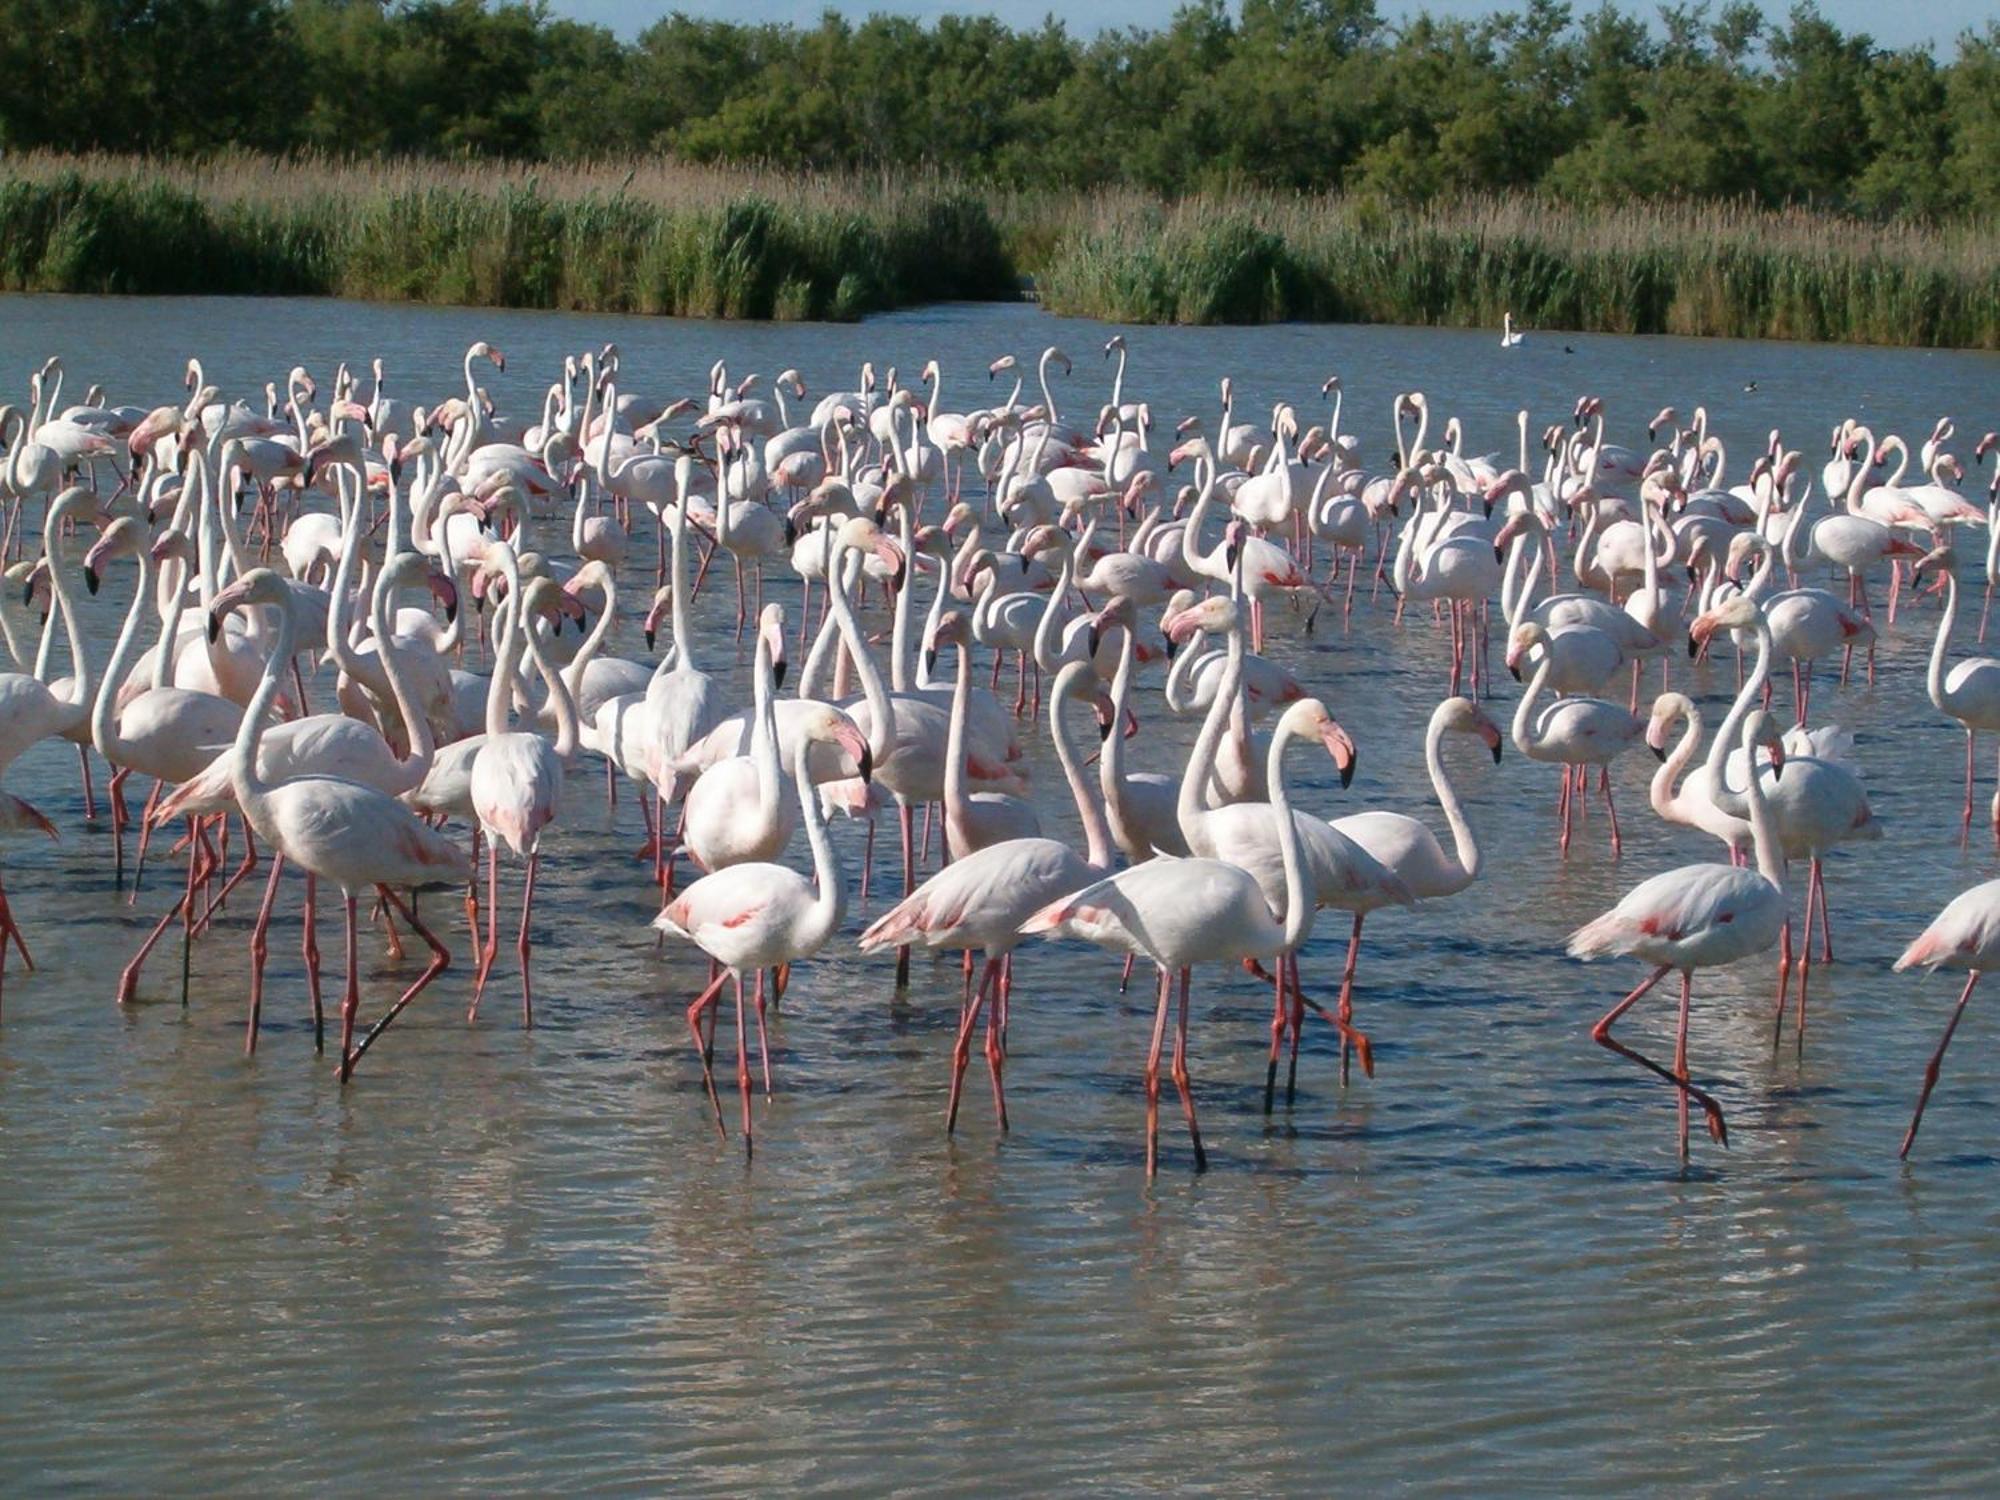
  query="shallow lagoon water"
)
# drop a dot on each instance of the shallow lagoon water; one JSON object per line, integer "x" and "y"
{"x": 511, "y": 1259}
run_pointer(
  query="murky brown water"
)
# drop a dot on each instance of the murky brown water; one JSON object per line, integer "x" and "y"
{"x": 512, "y": 1260}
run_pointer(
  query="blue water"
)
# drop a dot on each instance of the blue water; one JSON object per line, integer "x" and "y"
{"x": 514, "y": 1260}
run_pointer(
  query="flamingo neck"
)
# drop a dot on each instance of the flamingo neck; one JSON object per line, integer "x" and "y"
{"x": 1470, "y": 859}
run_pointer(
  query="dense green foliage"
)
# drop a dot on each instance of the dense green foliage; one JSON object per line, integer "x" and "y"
{"x": 1292, "y": 95}
{"x": 739, "y": 243}
{"x": 106, "y": 227}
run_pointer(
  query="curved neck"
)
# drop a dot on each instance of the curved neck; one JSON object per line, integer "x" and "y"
{"x": 905, "y": 605}
{"x": 339, "y": 644}
{"x": 103, "y": 727}
{"x": 1524, "y": 711}
{"x": 1470, "y": 860}
{"x": 243, "y": 774}
{"x": 1941, "y": 647}
{"x": 1662, "y": 791}
{"x": 58, "y": 550}
{"x": 1048, "y": 628}
{"x": 958, "y": 833}
{"x": 1763, "y": 827}
{"x": 881, "y": 712}
{"x": 507, "y": 659}
{"x": 683, "y": 635}
{"x": 1201, "y": 764}
{"x": 1300, "y": 902}
{"x": 830, "y": 886}
{"x": 1746, "y": 698}
{"x": 416, "y": 726}
{"x": 764, "y": 734}
{"x": 1089, "y": 806}
{"x": 561, "y": 704}
{"x": 572, "y": 675}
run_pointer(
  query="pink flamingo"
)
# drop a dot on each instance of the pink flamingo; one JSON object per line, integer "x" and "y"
{"x": 334, "y": 829}
{"x": 1695, "y": 917}
{"x": 1183, "y": 912}
{"x": 517, "y": 777}
{"x": 1965, "y": 935}
{"x": 980, "y": 900}
{"x": 760, "y": 916}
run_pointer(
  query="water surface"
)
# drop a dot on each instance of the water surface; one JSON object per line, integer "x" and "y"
{"x": 510, "y": 1259}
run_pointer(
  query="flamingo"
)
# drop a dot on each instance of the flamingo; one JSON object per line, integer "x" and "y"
{"x": 334, "y": 829}
{"x": 517, "y": 778}
{"x": 759, "y": 916}
{"x": 1965, "y": 935}
{"x": 1695, "y": 917}
{"x": 1970, "y": 692}
{"x": 1183, "y": 912}
{"x": 981, "y": 899}
{"x": 1576, "y": 733}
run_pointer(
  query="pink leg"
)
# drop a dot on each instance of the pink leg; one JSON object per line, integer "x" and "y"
{"x": 1153, "y": 1075}
{"x": 1604, "y": 781}
{"x": 961, "y": 1052}
{"x": 350, "y": 1001}
{"x": 492, "y": 949}
{"x": 1601, "y": 1034}
{"x": 260, "y": 949}
{"x": 525, "y": 944}
{"x": 440, "y": 960}
{"x": 743, "y": 1065}
{"x": 763, "y": 1041}
{"x": 703, "y": 1048}
{"x": 1937, "y": 1062}
{"x": 1183, "y": 1080}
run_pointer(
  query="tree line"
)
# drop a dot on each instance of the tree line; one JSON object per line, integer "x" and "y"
{"x": 1294, "y": 95}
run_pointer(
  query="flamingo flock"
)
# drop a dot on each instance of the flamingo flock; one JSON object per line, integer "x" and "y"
{"x": 373, "y": 640}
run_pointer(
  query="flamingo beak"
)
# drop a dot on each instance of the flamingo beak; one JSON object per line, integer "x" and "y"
{"x": 89, "y": 581}
{"x": 850, "y": 740}
{"x": 1341, "y": 748}
{"x": 1491, "y": 735}
{"x": 446, "y": 593}
{"x": 886, "y": 549}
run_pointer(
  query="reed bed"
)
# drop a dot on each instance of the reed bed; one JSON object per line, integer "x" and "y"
{"x": 662, "y": 237}
{"x": 1679, "y": 268}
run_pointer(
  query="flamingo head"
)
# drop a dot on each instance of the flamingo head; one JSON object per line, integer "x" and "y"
{"x": 1526, "y": 636}
{"x": 663, "y": 603}
{"x": 953, "y": 629}
{"x": 1737, "y": 613}
{"x": 1119, "y": 613}
{"x": 1004, "y": 362}
{"x": 1666, "y": 709}
{"x": 1939, "y": 558}
{"x": 867, "y": 535}
{"x": 828, "y": 725}
{"x": 1761, "y": 729}
{"x": 1466, "y": 717}
{"x": 1308, "y": 716}
{"x": 484, "y": 350}
{"x": 1213, "y": 615}
{"x": 258, "y": 586}
{"x": 1742, "y": 547}
{"x": 1666, "y": 416}
{"x": 1985, "y": 446}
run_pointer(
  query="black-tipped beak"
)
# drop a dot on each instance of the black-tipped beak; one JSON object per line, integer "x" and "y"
{"x": 778, "y": 673}
{"x": 1694, "y": 647}
{"x": 90, "y": 579}
{"x": 649, "y": 638}
{"x": 867, "y": 764}
{"x": 1231, "y": 556}
{"x": 1172, "y": 647}
{"x": 791, "y": 531}
{"x": 1496, "y": 752}
{"x": 901, "y": 576}
{"x": 1499, "y": 552}
{"x": 28, "y": 593}
{"x": 1659, "y": 752}
{"x": 1489, "y": 507}
{"x": 1104, "y": 731}
{"x": 1347, "y": 772}
{"x": 214, "y": 627}
{"x": 930, "y": 660}
{"x": 1096, "y": 638}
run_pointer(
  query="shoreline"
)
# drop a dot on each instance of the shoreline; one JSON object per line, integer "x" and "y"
{"x": 664, "y": 239}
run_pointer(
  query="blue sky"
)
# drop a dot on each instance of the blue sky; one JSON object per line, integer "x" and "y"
{"x": 1893, "y": 23}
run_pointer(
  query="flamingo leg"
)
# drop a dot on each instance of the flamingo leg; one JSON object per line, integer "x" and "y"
{"x": 260, "y": 950}
{"x": 440, "y": 960}
{"x": 961, "y": 1052}
{"x": 1183, "y": 1080}
{"x": 1937, "y": 1062}
{"x": 309, "y": 947}
{"x": 1681, "y": 1059}
{"x": 705, "y": 1001}
{"x": 1125, "y": 977}
{"x": 1278, "y": 1017}
{"x": 492, "y": 948}
{"x": 996, "y": 1051}
{"x": 1153, "y": 1075}
{"x": 145, "y": 839}
{"x": 90, "y": 792}
{"x": 1825, "y": 921}
{"x": 1604, "y": 781}
{"x": 1345, "y": 1012}
{"x": 743, "y": 1065}
{"x": 350, "y": 1000}
{"x": 1601, "y": 1034}
{"x": 525, "y": 944}
{"x": 1784, "y": 972}
{"x": 120, "y": 816}
{"x": 763, "y": 1042}
{"x": 904, "y": 823}
{"x": 1965, "y": 823}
